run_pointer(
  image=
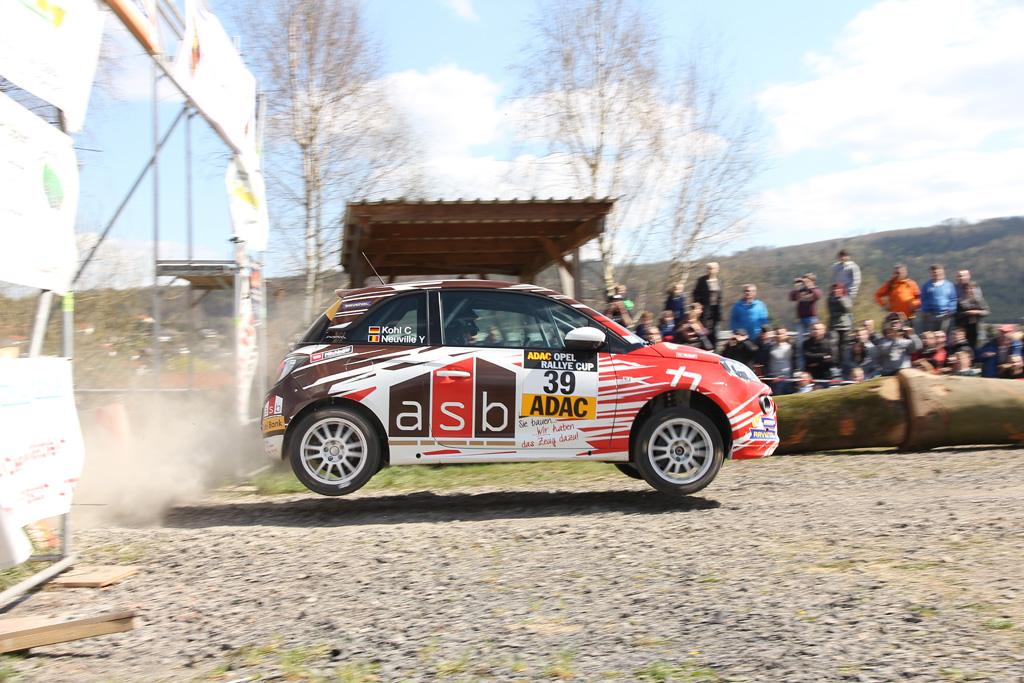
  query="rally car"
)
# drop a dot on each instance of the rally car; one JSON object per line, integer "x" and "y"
{"x": 478, "y": 371}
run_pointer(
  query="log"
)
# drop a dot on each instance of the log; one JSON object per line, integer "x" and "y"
{"x": 912, "y": 411}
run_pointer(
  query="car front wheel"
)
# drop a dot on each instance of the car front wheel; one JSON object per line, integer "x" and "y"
{"x": 679, "y": 451}
{"x": 334, "y": 451}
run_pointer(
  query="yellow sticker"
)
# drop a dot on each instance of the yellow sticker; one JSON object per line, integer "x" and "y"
{"x": 273, "y": 423}
{"x": 566, "y": 407}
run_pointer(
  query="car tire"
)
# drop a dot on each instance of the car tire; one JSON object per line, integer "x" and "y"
{"x": 334, "y": 451}
{"x": 628, "y": 469}
{"x": 678, "y": 451}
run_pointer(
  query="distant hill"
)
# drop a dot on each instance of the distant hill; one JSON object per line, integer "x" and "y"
{"x": 993, "y": 250}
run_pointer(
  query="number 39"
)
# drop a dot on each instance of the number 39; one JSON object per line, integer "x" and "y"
{"x": 564, "y": 381}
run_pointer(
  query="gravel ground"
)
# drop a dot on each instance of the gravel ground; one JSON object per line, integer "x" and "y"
{"x": 873, "y": 566}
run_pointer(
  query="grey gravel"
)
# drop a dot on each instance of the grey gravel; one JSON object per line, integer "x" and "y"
{"x": 873, "y": 566}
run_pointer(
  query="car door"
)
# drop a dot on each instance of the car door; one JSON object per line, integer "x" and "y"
{"x": 507, "y": 381}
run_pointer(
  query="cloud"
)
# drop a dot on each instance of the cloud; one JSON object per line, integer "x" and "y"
{"x": 895, "y": 194}
{"x": 907, "y": 78}
{"x": 452, "y": 109}
{"x": 463, "y": 9}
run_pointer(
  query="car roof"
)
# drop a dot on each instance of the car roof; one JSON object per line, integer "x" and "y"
{"x": 353, "y": 302}
{"x": 394, "y": 288}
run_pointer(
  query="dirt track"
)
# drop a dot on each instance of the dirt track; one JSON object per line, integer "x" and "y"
{"x": 869, "y": 567}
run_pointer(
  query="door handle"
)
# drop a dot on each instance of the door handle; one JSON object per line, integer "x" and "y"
{"x": 453, "y": 373}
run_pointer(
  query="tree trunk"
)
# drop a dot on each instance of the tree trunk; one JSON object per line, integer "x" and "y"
{"x": 912, "y": 411}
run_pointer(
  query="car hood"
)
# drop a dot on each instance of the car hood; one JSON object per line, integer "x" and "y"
{"x": 669, "y": 350}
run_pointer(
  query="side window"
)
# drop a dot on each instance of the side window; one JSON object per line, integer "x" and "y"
{"x": 506, "y": 320}
{"x": 400, "y": 320}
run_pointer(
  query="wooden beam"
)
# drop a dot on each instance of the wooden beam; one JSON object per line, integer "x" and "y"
{"x": 22, "y": 633}
{"x": 456, "y": 213}
{"x": 391, "y": 231}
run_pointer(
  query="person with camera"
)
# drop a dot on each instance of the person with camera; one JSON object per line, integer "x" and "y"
{"x": 806, "y": 295}
{"x": 618, "y": 307}
{"x": 894, "y": 351}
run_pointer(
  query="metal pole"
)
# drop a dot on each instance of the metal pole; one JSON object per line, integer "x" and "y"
{"x": 35, "y": 346}
{"x": 156, "y": 236}
{"x": 189, "y": 228}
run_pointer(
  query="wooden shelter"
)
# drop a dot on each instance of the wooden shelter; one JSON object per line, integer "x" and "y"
{"x": 515, "y": 238}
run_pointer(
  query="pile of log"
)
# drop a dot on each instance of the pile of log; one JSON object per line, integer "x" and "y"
{"x": 912, "y": 411}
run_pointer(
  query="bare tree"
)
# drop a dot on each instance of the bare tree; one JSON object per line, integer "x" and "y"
{"x": 591, "y": 95}
{"x": 332, "y": 132}
{"x": 710, "y": 159}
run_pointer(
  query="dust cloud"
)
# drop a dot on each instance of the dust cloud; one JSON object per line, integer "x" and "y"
{"x": 148, "y": 453}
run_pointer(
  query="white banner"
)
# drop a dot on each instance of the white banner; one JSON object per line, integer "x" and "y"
{"x": 210, "y": 70}
{"x": 41, "y": 452}
{"x": 247, "y": 198}
{"x": 50, "y": 49}
{"x": 38, "y": 200}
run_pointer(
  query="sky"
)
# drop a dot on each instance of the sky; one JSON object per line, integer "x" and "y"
{"x": 874, "y": 115}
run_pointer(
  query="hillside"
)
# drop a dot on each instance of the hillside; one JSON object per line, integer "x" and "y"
{"x": 993, "y": 250}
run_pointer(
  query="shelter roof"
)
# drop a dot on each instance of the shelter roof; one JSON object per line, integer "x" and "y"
{"x": 506, "y": 237}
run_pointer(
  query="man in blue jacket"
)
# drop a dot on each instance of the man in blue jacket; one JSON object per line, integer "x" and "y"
{"x": 938, "y": 301}
{"x": 749, "y": 313}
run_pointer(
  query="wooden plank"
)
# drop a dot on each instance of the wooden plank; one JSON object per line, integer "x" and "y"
{"x": 542, "y": 210}
{"x": 93, "y": 576}
{"x": 22, "y": 633}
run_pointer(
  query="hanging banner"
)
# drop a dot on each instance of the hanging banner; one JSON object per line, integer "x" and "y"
{"x": 41, "y": 453}
{"x": 246, "y": 352}
{"x": 247, "y": 200}
{"x": 213, "y": 74}
{"x": 38, "y": 201}
{"x": 50, "y": 49}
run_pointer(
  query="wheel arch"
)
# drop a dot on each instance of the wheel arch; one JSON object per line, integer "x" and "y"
{"x": 683, "y": 397}
{"x": 337, "y": 402}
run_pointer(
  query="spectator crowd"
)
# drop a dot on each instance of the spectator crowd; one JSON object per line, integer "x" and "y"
{"x": 937, "y": 327}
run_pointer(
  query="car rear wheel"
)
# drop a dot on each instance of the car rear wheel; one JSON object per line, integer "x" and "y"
{"x": 679, "y": 451}
{"x": 334, "y": 451}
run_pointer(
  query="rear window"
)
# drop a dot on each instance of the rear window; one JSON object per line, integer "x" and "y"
{"x": 400, "y": 320}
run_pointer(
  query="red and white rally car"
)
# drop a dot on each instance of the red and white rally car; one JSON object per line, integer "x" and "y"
{"x": 477, "y": 371}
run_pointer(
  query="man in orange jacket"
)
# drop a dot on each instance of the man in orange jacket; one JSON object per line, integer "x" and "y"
{"x": 903, "y": 294}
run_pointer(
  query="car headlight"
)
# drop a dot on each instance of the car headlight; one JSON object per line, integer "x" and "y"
{"x": 737, "y": 369}
{"x": 287, "y": 365}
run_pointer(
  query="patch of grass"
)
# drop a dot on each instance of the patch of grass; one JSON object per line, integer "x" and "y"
{"x": 691, "y": 671}
{"x": 281, "y": 480}
{"x": 460, "y": 665}
{"x": 999, "y": 624}
{"x": 560, "y": 666}
{"x": 961, "y": 675}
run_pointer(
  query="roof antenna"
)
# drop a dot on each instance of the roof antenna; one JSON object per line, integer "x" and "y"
{"x": 373, "y": 269}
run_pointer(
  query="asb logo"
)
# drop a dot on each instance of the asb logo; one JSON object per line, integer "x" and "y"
{"x": 471, "y": 398}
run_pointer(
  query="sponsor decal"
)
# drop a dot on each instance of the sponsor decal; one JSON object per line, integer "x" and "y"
{"x": 356, "y": 304}
{"x": 271, "y": 448}
{"x": 683, "y": 354}
{"x": 567, "y": 407}
{"x": 762, "y": 428}
{"x": 560, "y": 384}
{"x": 273, "y": 406}
{"x": 327, "y": 355}
{"x": 273, "y": 423}
{"x": 479, "y": 405}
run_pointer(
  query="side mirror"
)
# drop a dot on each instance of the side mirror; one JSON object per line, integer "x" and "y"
{"x": 584, "y": 339}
